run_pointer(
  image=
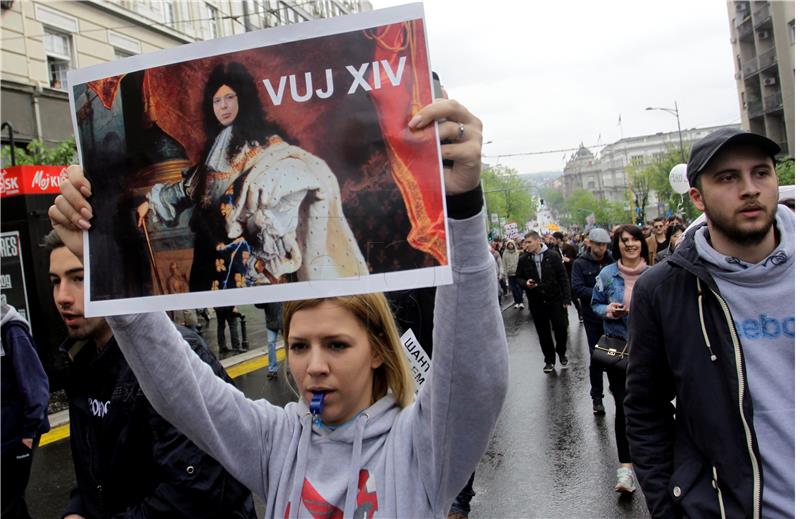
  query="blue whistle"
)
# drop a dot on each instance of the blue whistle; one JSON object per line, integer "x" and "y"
{"x": 317, "y": 403}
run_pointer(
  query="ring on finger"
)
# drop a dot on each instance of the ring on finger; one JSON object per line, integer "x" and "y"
{"x": 460, "y": 131}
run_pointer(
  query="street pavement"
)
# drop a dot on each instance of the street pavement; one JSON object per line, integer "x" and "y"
{"x": 550, "y": 457}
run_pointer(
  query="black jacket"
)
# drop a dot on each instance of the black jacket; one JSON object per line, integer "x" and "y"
{"x": 24, "y": 391}
{"x": 704, "y": 457}
{"x": 554, "y": 288}
{"x": 129, "y": 462}
{"x": 584, "y": 276}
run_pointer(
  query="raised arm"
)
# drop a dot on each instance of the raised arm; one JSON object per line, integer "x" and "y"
{"x": 181, "y": 387}
{"x": 215, "y": 415}
{"x": 453, "y": 419}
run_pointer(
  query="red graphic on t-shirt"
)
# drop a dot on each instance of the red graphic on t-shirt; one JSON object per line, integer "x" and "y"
{"x": 319, "y": 508}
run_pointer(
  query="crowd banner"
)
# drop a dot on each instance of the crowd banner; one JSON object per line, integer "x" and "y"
{"x": 268, "y": 166}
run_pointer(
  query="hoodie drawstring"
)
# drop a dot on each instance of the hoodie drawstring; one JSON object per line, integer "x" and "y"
{"x": 302, "y": 464}
{"x": 703, "y": 321}
{"x": 355, "y": 462}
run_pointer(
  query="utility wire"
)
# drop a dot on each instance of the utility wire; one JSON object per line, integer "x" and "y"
{"x": 544, "y": 152}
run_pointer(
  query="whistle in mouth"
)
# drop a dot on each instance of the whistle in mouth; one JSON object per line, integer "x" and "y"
{"x": 317, "y": 403}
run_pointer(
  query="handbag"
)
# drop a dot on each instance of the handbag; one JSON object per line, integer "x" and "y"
{"x": 611, "y": 353}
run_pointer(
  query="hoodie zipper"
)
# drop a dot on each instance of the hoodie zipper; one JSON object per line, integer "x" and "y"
{"x": 715, "y": 484}
{"x": 737, "y": 349}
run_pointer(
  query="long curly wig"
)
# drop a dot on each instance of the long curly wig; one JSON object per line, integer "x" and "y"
{"x": 251, "y": 126}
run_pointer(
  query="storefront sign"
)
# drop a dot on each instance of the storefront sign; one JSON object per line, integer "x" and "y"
{"x": 31, "y": 180}
{"x": 12, "y": 276}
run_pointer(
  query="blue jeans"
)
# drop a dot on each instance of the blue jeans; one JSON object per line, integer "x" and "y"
{"x": 272, "y": 338}
{"x": 516, "y": 289}
{"x": 593, "y": 331}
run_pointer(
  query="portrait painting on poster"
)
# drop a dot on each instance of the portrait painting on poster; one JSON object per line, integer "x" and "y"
{"x": 268, "y": 166}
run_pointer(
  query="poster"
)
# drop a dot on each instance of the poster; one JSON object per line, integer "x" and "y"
{"x": 12, "y": 274}
{"x": 269, "y": 166}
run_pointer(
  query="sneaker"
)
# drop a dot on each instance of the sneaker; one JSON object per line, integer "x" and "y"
{"x": 626, "y": 482}
{"x": 548, "y": 368}
{"x": 563, "y": 359}
{"x": 598, "y": 408}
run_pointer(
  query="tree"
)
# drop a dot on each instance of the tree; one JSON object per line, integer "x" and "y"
{"x": 654, "y": 176}
{"x": 785, "y": 170}
{"x": 610, "y": 213}
{"x": 554, "y": 200}
{"x": 507, "y": 195}
{"x": 580, "y": 204}
{"x": 36, "y": 153}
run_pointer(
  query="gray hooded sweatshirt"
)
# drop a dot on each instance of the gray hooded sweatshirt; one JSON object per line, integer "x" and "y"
{"x": 388, "y": 461}
{"x": 761, "y": 299}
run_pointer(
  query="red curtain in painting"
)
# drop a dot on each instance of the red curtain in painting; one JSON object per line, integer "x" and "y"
{"x": 418, "y": 182}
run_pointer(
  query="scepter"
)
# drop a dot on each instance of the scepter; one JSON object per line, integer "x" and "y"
{"x": 152, "y": 256}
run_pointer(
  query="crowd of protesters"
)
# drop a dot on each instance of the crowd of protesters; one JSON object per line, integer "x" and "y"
{"x": 168, "y": 435}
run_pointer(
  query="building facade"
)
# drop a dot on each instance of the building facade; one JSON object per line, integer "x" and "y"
{"x": 42, "y": 40}
{"x": 604, "y": 173}
{"x": 762, "y": 40}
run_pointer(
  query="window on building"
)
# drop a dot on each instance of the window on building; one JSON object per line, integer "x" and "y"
{"x": 791, "y": 32}
{"x": 121, "y": 53}
{"x": 212, "y": 22}
{"x": 169, "y": 12}
{"x": 58, "y": 50}
{"x": 637, "y": 160}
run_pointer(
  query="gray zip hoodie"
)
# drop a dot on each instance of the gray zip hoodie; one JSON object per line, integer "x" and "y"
{"x": 388, "y": 461}
{"x": 761, "y": 299}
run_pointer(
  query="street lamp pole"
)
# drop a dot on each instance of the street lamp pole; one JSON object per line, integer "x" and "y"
{"x": 680, "y": 139}
{"x": 680, "y": 134}
{"x": 677, "y": 115}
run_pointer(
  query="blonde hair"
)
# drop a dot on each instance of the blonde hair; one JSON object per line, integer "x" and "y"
{"x": 374, "y": 313}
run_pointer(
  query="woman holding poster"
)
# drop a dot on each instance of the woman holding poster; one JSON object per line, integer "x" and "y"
{"x": 264, "y": 211}
{"x": 357, "y": 443}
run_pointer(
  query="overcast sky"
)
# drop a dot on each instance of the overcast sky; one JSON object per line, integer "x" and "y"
{"x": 548, "y": 75}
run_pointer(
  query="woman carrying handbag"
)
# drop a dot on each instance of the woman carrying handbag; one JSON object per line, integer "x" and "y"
{"x": 611, "y": 300}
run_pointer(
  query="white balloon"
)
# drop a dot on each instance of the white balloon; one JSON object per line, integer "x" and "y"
{"x": 678, "y": 180}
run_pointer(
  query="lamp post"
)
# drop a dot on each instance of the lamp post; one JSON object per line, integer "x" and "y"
{"x": 680, "y": 139}
{"x": 678, "y": 117}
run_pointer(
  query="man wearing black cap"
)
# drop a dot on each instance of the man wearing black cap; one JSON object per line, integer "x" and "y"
{"x": 713, "y": 328}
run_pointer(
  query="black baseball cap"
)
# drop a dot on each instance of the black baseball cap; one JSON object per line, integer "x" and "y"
{"x": 704, "y": 150}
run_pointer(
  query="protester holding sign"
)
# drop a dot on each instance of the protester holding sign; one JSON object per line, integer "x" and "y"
{"x": 366, "y": 440}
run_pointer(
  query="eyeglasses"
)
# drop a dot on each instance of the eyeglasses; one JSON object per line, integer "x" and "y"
{"x": 228, "y": 98}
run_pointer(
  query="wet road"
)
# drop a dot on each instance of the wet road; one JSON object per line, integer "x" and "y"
{"x": 550, "y": 457}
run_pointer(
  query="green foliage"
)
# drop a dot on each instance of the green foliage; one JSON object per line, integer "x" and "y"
{"x": 554, "y": 200}
{"x": 36, "y": 153}
{"x": 581, "y": 203}
{"x": 507, "y": 195}
{"x": 785, "y": 170}
{"x": 655, "y": 176}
